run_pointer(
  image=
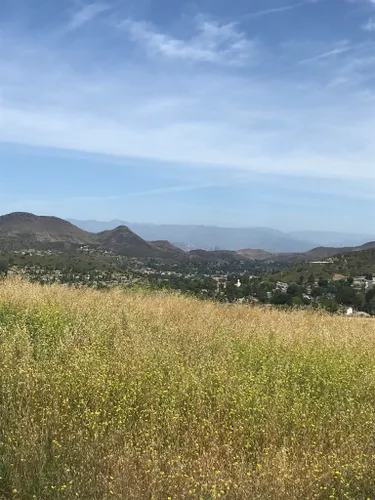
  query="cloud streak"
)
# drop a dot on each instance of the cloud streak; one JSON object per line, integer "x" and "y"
{"x": 86, "y": 14}
{"x": 340, "y": 48}
{"x": 279, "y": 10}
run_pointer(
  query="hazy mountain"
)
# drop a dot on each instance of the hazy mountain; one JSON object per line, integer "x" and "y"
{"x": 94, "y": 226}
{"x": 255, "y": 254}
{"x": 326, "y": 252}
{"x": 216, "y": 256}
{"x": 333, "y": 239}
{"x": 210, "y": 237}
{"x": 20, "y": 231}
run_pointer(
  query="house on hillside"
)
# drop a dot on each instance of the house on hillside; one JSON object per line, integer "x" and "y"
{"x": 359, "y": 282}
{"x": 283, "y": 287}
{"x": 370, "y": 284}
{"x": 338, "y": 277}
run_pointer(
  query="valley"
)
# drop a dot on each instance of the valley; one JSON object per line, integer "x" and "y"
{"x": 49, "y": 250}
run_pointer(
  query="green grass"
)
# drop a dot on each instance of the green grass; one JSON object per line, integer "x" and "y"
{"x": 138, "y": 395}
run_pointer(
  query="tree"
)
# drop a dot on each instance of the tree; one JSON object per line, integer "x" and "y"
{"x": 311, "y": 279}
{"x": 3, "y": 267}
{"x": 359, "y": 301}
{"x": 330, "y": 305}
{"x": 346, "y": 295}
{"x": 369, "y": 305}
{"x": 323, "y": 283}
{"x": 294, "y": 289}
{"x": 297, "y": 301}
{"x": 370, "y": 295}
{"x": 281, "y": 299}
{"x": 316, "y": 292}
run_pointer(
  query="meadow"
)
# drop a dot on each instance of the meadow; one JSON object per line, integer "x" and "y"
{"x": 153, "y": 396}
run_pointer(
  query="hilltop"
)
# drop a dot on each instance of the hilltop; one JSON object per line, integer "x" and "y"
{"x": 19, "y": 231}
{"x": 124, "y": 242}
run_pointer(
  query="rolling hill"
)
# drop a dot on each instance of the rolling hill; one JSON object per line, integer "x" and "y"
{"x": 327, "y": 252}
{"x": 20, "y": 231}
{"x": 216, "y": 256}
{"x": 353, "y": 263}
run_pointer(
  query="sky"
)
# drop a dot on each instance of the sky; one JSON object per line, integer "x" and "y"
{"x": 217, "y": 112}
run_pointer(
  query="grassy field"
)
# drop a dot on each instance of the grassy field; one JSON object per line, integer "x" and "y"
{"x": 136, "y": 395}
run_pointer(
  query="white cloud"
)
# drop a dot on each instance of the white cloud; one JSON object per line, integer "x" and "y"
{"x": 212, "y": 42}
{"x": 284, "y": 125}
{"x": 86, "y": 14}
{"x": 281, "y": 9}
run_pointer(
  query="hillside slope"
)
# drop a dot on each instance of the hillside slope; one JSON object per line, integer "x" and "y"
{"x": 359, "y": 263}
{"x": 216, "y": 256}
{"x": 20, "y": 231}
{"x": 138, "y": 395}
{"x": 327, "y": 252}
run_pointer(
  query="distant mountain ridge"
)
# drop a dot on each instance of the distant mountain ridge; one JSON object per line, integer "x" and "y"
{"x": 209, "y": 237}
{"x": 20, "y": 231}
{"x": 193, "y": 237}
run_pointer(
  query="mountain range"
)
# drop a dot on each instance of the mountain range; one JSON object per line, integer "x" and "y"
{"x": 20, "y": 231}
{"x": 192, "y": 237}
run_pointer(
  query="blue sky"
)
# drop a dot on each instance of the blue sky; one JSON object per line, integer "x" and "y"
{"x": 240, "y": 113}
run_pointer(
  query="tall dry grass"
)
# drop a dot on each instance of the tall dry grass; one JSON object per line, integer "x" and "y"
{"x": 137, "y": 395}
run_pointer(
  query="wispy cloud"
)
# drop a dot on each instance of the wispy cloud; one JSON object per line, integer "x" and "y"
{"x": 201, "y": 117}
{"x": 212, "y": 42}
{"x": 338, "y": 49}
{"x": 85, "y": 14}
{"x": 279, "y": 10}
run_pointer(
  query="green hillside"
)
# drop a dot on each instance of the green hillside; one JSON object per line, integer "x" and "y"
{"x": 349, "y": 264}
